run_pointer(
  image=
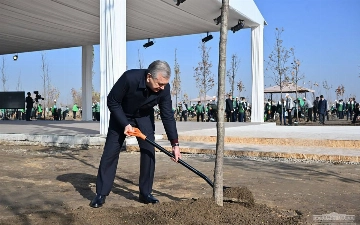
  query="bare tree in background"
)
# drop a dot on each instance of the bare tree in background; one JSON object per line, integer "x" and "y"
{"x": 327, "y": 87}
{"x": 50, "y": 92}
{"x": 278, "y": 61}
{"x": 186, "y": 97}
{"x": 340, "y": 91}
{"x": 3, "y": 74}
{"x": 176, "y": 83}
{"x": 53, "y": 93}
{"x": 218, "y": 171}
{"x": 314, "y": 86}
{"x": 295, "y": 78}
{"x": 76, "y": 96}
{"x": 95, "y": 95}
{"x": 18, "y": 84}
{"x": 203, "y": 76}
{"x": 231, "y": 73}
{"x": 140, "y": 60}
{"x": 240, "y": 87}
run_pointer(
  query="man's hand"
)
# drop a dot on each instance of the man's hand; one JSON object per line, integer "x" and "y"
{"x": 176, "y": 153}
{"x": 128, "y": 129}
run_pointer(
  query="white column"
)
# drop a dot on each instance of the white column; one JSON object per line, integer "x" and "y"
{"x": 87, "y": 64}
{"x": 257, "y": 68}
{"x": 112, "y": 51}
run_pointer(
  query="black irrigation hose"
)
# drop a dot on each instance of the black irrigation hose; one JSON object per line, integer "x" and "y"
{"x": 181, "y": 162}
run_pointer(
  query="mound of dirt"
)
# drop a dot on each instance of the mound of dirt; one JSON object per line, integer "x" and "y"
{"x": 239, "y": 194}
{"x": 193, "y": 211}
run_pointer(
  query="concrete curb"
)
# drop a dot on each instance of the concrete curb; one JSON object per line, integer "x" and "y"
{"x": 264, "y": 154}
{"x": 63, "y": 141}
{"x": 275, "y": 141}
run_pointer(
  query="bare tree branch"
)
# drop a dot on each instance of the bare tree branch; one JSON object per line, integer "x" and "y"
{"x": 231, "y": 73}
{"x": 203, "y": 76}
{"x": 176, "y": 83}
{"x": 3, "y": 74}
{"x": 278, "y": 60}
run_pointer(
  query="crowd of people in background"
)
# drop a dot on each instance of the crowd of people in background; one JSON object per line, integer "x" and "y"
{"x": 34, "y": 110}
{"x": 237, "y": 109}
{"x": 287, "y": 110}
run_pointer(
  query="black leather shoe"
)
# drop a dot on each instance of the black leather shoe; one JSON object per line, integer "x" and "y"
{"x": 148, "y": 199}
{"x": 98, "y": 201}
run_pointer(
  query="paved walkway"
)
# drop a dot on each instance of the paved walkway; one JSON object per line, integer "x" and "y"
{"x": 340, "y": 143}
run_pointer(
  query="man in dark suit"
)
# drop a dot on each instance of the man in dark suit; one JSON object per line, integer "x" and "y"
{"x": 322, "y": 108}
{"x": 229, "y": 108}
{"x": 29, "y": 105}
{"x": 131, "y": 102}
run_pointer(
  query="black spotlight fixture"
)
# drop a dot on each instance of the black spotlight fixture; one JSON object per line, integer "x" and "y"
{"x": 148, "y": 44}
{"x": 238, "y": 26}
{"x": 178, "y": 2}
{"x": 207, "y": 38}
{"x": 15, "y": 57}
{"x": 217, "y": 20}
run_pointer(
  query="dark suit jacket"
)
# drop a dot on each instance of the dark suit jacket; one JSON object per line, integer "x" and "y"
{"x": 130, "y": 100}
{"x": 322, "y": 107}
{"x": 229, "y": 105}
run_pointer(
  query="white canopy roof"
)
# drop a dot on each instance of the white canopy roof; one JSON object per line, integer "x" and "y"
{"x": 287, "y": 88}
{"x": 33, "y": 25}
{"x": 208, "y": 98}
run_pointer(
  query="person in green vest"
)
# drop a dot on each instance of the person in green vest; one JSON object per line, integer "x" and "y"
{"x": 340, "y": 109}
{"x": 192, "y": 111}
{"x": 65, "y": 112}
{"x": 39, "y": 111}
{"x": 21, "y": 114}
{"x": 97, "y": 111}
{"x": 241, "y": 110}
{"x": 75, "y": 109}
{"x": 212, "y": 111}
{"x": 54, "y": 111}
{"x": 235, "y": 107}
{"x": 200, "y": 111}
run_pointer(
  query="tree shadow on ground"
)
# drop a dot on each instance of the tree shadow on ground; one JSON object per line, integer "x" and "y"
{"x": 83, "y": 182}
{"x": 317, "y": 170}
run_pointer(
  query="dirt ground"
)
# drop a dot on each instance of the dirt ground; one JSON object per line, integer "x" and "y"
{"x": 41, "y": 185}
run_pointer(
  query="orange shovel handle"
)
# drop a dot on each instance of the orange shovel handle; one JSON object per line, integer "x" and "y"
{"x": 137, "y": 133}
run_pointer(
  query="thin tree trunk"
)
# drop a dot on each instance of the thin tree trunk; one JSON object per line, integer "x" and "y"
{"x": 218, "y": 178}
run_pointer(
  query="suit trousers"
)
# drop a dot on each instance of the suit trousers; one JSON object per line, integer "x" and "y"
{"x": 322, "y": 117}
{"x": 109, "y": 161}
{"x": 200, "y": 115}
{"x": 310, "y": 113}
{"x": 28, "y": 114}
{"x": 356, "y": 114}
{"x": 228, "y": 116}
{"x": 241, "y": 116}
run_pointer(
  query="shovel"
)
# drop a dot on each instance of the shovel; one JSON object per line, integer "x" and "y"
{"x": 239, "y": 194}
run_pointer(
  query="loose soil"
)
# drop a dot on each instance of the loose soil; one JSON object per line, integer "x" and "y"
{"x": 41, "y": 185}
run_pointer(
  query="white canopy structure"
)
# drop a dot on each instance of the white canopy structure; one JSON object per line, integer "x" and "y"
{"x": 207, "y": 98}
{"x": 52, "y": 24}
{"x": 287, "y": 88}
